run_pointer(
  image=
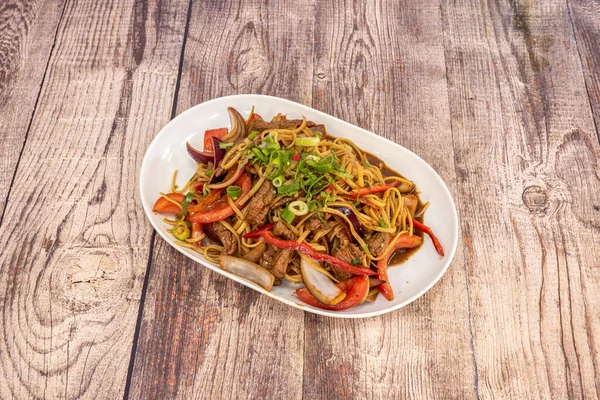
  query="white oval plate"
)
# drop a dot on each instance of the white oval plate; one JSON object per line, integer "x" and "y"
{"x": 410, "y": 280}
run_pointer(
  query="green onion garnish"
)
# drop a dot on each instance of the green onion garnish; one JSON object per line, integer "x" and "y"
{"x": 298, "y": 207}
{"x": 224, "y": 145}
{"x": 259, "y": 154}
{"x": 188, "y": 197}
{"x": 288, "y": 189}
{"x": 253, "y": 135}
{"x": 356, "y": 261}
{"x": 234, "y": 191}
{"x": 382, "y": 224}
{"x": 307, "y": 141}
{"x": 287, "y": 215}
{"x": 278, "y": 181}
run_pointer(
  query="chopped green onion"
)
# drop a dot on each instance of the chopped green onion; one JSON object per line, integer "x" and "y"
{"x": 188, "y": 197}
{"x": 234, "y": 191}
{"x": 298, "y": 207}
{"x": 325, "y": 165}
{"x": 209, "y": 172}
{"x": 288, "y": 189}
{"x": 205, "y": 190}
{"x": 287, "y": 215}
{"x": 275, "y": 162}
{"x": 181, "y": 230}
{"x": 259, "y": 154}
{"x": 307, "y": 141}
{"x": 356, "y": 261}
{"x": 253, "y": 135}
{"x": 278, "y": 181}
{"x": 382, "y": 224}
{"x": 224, "y": 145}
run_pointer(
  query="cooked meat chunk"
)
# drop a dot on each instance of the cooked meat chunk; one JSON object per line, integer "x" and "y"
{"x": 279, "y": 229}
{"x": 257, "y": 209}
{"x": 378, "y": 242}
{"x": 410, "y": 202}
{"x": 314, "y": 223}
{"x": 277, "y": 261}
{"x": 260, "y": 125}
{"x": 280, "y": 262}
{"x": 347, "y": 252}
{"x": 219, "y": 233}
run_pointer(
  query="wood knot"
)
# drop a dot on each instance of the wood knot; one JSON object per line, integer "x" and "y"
{"x": 536, "y": 199}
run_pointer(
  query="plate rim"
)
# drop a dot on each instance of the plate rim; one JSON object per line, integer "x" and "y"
{"x": 198, "y": 258}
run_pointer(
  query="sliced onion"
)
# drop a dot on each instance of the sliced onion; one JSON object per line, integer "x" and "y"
{"x": 318, "y": 284}
{"x": 352, "y": 217}
{"x": 247, "y": 270}
{"x": 219, "y": 155}
{"x": 199, "y": 156}
{"x": 238, "y": 126}
{"x": 256, "y": 253}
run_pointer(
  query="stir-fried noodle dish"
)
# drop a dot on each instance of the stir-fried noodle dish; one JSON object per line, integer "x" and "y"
{"x": 283, "y": 200}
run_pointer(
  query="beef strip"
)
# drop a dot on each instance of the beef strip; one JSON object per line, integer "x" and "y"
{"x": 260, "y": 125}
{"x": 347, "y": 252}
{"x": 276, "y": 261}
{"x": 378, "y": 242}
{"x": 279, "y": 229}
{"x": 279, "y": 202}
{"x": 257, "y": 209}
{"x": 224, "y": 235}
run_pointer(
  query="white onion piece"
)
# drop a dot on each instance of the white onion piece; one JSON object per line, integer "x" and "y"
{"x": 318, "y": 284}
{"x": 248, "y": 270}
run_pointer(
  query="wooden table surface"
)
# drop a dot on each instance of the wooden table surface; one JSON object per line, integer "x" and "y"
{"x": 501, "y": 97}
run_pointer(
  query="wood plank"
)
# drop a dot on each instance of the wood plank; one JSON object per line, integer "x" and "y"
{"x": 203, "y": 335}
{"x": 75, "y": 239}
{"x": 585, "y": 17}
{"x": 28, "y": 30}
{"x": 380, "y": 65}
{"x": 527, "y": 155}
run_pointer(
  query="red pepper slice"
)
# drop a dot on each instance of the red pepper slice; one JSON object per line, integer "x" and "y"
{"x": 163, "y": 205}
{"x": 208, "y": 135}
{"x": 196, "y": 229}
{"x": 296, "y": 157}
{"x": 375, "y": 189}
{"x": 404, "y": 241}
{"x": 304, "y": 247}
{"x": 255, "y": 234}
{"x": 356, "y": 289}
{"x": 425, "y": 229}
{"x": 220, "y": 208}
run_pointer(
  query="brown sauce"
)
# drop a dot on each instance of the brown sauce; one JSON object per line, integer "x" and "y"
{"x": 402, "y": 255}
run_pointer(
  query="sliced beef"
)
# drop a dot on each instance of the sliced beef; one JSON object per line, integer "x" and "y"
{"x": 219, "y": 233}
{"x": 279, "y": 202}
{"x": 277, "y": 261}
{"x": 257, "y": 209}
{"x": 280, "y": 262}
{"x": 314, "y": 223}
{"x": 260, "y": 125}
{"x": 279, "y": 229}
{"x": 347, "y": 252}
{"x": 378, "y": 242}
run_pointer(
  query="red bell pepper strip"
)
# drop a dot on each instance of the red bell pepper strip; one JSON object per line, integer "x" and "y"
{"x": 375, "y": 189}
{"x": 196, "y": 229}
{"x": 255, "y": 234}
{"x": 208, "y": 135}
{"x": 404, "y": 241}
{"x": 304, "y": 247}
{"x": 163, "y": 205}
{"x": 356, "y": 289}
{"x": 296, "y": 157}
{"x": 220, "y": 208}
{"x": 425, "y": 229}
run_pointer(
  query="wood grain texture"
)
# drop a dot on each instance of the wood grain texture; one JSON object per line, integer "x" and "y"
{"x": 203, "y": 335}
{"x": 75, "y": 239}
{"x": 380, "y": 65}
{"x": 585, "y": 18}
{"x": 529, "y": 185}
{"x": 27, "y": 32}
